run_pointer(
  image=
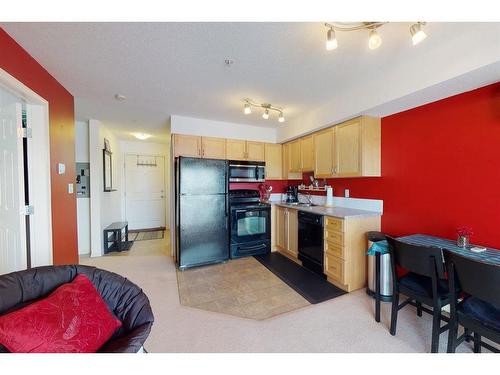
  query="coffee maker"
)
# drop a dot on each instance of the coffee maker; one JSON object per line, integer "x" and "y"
{"x": 292, "y": 194}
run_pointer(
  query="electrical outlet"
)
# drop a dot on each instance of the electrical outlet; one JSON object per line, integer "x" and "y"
{"x": 70, "y": 188}
{"x": 346, "y": 193}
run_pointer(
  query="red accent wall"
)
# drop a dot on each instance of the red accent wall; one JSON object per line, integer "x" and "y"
{"x": 18, "y": 63}
{"x": 440, "y": 168}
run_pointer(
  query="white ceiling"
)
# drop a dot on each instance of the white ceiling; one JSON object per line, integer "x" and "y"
{"x": 178, "y": 68}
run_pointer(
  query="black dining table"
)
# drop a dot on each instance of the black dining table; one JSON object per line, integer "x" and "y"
{"x": 490, "y": 255}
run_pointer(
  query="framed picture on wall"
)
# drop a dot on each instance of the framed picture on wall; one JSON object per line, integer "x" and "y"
{"x": 107, "y": 170}
{"x": 106, "y": 145}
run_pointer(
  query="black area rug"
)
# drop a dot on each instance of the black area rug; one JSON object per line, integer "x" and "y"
{"x": 308, "y": 284}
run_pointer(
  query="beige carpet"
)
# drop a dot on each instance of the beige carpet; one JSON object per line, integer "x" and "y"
{"x": 241, "y": 287}
{"x": 343, "y": 324}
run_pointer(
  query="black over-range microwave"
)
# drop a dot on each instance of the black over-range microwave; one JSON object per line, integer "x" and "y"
{"x": 247, "y": 171}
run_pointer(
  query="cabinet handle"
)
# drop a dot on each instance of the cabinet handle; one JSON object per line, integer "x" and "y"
{"x": 199, "y": 152}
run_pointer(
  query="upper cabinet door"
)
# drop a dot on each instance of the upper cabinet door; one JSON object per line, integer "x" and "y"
{"x": 235, "y": 149}
{"x": 273, "y": 161}
{"x": 348, "y": 148}
{"x": 255, "y": 151}
{"x": 187, "y": 145}
{"x": 294, "y": 158}
{"x": 213, "y": 148}
{"x": 307, "y": 153}
{"x": 324, "y": 153}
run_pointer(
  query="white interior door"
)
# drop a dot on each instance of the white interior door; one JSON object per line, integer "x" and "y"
{"x": 145, "y": 191}
{"x": 12, "y": 220}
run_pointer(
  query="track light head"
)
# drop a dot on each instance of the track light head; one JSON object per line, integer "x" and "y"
{"x": 417, "y": 34}
{"x": 265, "y": 115}
{"x": 247, "y": 110}
{"x": 281, "y": 118}
{"x": 374, "y": 39}
{"x": 331, "y": 40}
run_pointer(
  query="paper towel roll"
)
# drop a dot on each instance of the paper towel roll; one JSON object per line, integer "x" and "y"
{"x": 329, "y": 196}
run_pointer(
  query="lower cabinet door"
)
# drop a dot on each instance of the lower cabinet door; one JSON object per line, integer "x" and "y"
{"x": 334, "y": 268}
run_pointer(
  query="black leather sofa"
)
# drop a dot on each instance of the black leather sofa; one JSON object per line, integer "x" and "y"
{"x": 125, "y": 299}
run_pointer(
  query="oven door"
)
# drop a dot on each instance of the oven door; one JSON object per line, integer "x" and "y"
{"x": 250, "y": 224}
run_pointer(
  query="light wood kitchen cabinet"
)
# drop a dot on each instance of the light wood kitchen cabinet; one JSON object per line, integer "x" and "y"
{"x": 307, "y": 153}
{"x": 274, "y": 164}
{"x": 187, "y": 145}
{"x": 213, "y": 148}
{"x": 345, "y": 250}
{"x": 357, "y": 147}
{"x": 236, "y": 149}
{"x": 244, "y": 150}
{"x": 324, "y": 156}
{"x": 294, "y": 157}
{"x": 287, "y": 231}
{"x": 255, "y": 151}
{"x": 287, "y": 175}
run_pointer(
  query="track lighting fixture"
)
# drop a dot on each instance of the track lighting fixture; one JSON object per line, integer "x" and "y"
{"x": 331, "y": 40}
{"x": 417, "y": 34}
{"x": 374, "y": 39}
{"x": 267, "y": 108}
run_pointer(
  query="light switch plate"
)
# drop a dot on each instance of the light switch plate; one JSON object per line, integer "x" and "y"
{"x": 346, "y": 193}
{"x": 61, "y": 168}
{"x": 70, "y": 188}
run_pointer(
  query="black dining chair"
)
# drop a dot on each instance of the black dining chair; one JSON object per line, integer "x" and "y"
{"x": 479, "y": 311}
{"x": 424, "y": 283}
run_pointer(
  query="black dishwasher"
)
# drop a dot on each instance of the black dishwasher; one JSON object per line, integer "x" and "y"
{"x": 311, "y": 251}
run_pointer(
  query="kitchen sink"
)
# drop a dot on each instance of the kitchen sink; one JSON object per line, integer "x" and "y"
{"x": 302, "y": 204}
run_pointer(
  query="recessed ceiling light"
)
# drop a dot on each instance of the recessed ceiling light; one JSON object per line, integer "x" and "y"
{"x": 141, "y": 136}
{"x": 120, "y": 97}
{"x": 229, "y": 62}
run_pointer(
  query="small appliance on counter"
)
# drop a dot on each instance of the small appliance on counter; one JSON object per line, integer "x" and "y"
{"x": 292, "y": 194}
{"x": 250, "y": 223}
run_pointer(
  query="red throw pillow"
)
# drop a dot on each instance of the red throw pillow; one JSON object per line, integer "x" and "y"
{"x": 72, "y": 319}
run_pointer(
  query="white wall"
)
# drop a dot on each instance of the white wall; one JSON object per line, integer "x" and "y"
{"x": 105, "y": 207}
{"x": 82, "y": 204}
{"x": 210, "y": 128}
{"x": 147, "y": 148}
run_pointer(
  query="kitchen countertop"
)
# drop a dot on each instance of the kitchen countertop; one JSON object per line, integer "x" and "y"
{"x": 340, "y": 212}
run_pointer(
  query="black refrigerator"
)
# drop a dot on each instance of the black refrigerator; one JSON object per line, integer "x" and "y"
{"x": 201, "y": 211}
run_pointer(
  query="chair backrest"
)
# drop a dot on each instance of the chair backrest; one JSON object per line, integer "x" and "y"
{"x": 416, "y": 258}
{"x": 479, "y": 279}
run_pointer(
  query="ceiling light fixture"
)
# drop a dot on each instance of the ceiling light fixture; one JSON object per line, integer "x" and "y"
{"x": 141, "y": 136}
{"x": 120, "y": 97}
{"x": 374, "y": 39}
{"x": 265, "y": 115}
{"x": 331, "y": 40}
{"x": 247, "y": 110}
{"x": 417, "y": 34}
{"x": 267, "y": 108}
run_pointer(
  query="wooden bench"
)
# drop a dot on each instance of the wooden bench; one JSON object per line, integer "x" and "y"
{"x": 113, "y": 236}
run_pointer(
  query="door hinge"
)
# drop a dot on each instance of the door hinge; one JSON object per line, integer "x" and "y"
{"x": 27, "y": 133}
{"x": 28, "y": 210}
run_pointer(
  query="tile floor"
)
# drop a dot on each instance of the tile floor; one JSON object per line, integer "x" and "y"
{"x": 241, "y": 287}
